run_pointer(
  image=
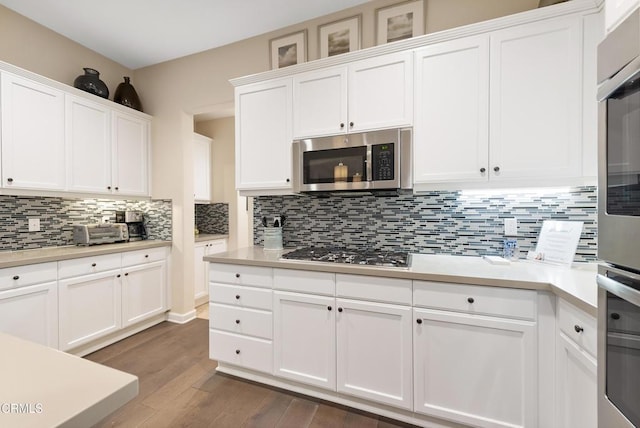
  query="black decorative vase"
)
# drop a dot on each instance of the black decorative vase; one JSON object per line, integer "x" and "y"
{"x": 127, "y": 96}
{"x": 90, "y": 82}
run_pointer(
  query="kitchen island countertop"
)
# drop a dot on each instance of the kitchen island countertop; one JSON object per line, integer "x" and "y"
{"x": 43, "y": 387}
{"x": 576, "y": 284}
{"x": 54, "y": 254}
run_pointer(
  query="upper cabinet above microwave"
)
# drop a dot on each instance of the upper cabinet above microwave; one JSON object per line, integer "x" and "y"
{"x": 369, "y": 94}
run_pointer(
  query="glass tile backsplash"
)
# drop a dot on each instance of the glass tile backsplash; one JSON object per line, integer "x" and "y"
{"x": 58, "y": 214}
{"x": 459, "y": 223}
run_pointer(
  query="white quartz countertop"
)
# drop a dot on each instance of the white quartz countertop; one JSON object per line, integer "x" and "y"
{"x": 53, "y": 254}
{"x": 43, "y": 387}
{"x": 576, "y": 284}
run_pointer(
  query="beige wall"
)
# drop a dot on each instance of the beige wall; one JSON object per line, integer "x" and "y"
{"x": 176, "y": 90}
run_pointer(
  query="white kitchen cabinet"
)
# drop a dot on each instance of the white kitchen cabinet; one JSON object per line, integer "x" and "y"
{"x": 374, "y": 93}
{"x": 304, "y": 337}
{"x": 536, "y": 101}
{"x": 201, "y": 272}
{"x": 576, "y": 368}
{"x": 263, "y": 137}
{"x": 143, "y": 291}
{"x": 29, "y": 303}
{"x": 33, "y": 141}
{"x": 88, "y": 146}
{"x": 202, "y": 168}
{"x": 475, "y": 354}
{"x": 374, "y": 351}
{"x": 130, "y": 175}
{"x": 615, "y": 11}
{"x": 90, "y": 307}
{"x": 451, "y": 132}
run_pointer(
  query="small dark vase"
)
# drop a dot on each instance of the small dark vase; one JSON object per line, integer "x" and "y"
{"x": 127, "y": 96}
{"x": 90, "y": 82}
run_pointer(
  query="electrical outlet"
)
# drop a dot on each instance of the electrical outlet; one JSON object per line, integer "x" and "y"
{"x": 510, "y": 227}
{"x": 34, "y": 225}
{"x": 277, "y": 222}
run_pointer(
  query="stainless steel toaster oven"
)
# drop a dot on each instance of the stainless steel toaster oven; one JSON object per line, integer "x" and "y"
{"x": 100, "y": 233}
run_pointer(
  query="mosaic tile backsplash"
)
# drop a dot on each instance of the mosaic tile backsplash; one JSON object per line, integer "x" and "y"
{"x": 459, "y": 223}
{"x": 212, "y": 218}
{"x": 58, "y": 214}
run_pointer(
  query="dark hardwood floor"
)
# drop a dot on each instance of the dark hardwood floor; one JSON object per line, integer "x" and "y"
{"x": 179, "y": 387}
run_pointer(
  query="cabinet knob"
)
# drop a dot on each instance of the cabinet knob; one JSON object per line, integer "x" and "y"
{"x": 17, "y": 277}
{"x": 126, "y": 274}
{"x": 108, "y": 187}
{"x": 496, "y": 168}
{"x": 351, "y": 124}
{"x": 578, "y": 329}
{"x": 237, "y": 321}
{"x": 93, "y": 265}
{"x": 328, "y": 308}
{"x": 615, "y": 315}
{"x": 118, "y": 276}
{"x": 419, "y": 320}
{"x": 146, "y": 256}
{"x": 288, "y": 180}
{"x": 470, "y": 299}
{"x": 237, "y": 297}
{"x": 342, "y": 126}
{"x": 237, "y": 352}
{"x": 483, "y": 170}
{"x": 339, "y": 309}
{"x": 117, "y": 188}
{"x": 237, "y": 275}
{"x": 9, "y": 180}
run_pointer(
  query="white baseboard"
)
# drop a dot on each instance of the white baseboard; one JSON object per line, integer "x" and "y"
{"x": 181, "y": 318}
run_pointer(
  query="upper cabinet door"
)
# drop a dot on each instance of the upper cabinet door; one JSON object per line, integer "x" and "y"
{"x": 536, "y": 101}
{"x": 88, "y": 139}
{"x": 263, "y": 137}
{"x": 202, "y": 168}
{"x": 451, "y": 131}
{"x": 131, "y": 144}
{"x": 380, "y": 92}
{"x": 320, "y": 103}
{"x": 32, "y": 135}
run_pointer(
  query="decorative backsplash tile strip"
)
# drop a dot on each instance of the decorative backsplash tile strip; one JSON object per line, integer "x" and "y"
{"x": 212, "y": 218}
{"x": 460, "y": 223}
{"x": 58, "y": 214}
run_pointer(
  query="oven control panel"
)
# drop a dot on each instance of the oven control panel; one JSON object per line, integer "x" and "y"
{"x": 382, "y": 158}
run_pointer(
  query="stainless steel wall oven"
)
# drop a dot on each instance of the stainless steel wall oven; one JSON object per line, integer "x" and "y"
{"x": 619, "y": 226}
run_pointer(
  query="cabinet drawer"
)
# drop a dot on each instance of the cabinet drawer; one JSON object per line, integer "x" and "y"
{"x": 387, "y": 290}
{"x": 21, "y": 276}
{"x": 250, "y": 322}
{"x": 242, "y": 297}
{"x": 305, "y": 281}
{"x": 88, "y": 265}
{"x": 476, "y": 299}
{"x": 217, "y": 246}
{"x": 256, "y": 276}
{"x": 138, "y": 257}
{"x": 578, "y": 325}
{"x": 249, "y": 352}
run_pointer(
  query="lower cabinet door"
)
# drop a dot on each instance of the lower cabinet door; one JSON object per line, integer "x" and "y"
{"x": 475, "y": 370}
{"x": 576, "y": 386}
{"x": 304, "y": 338}
{"x": 143, "y": 292}
{"x": 31, "y": 313}
{"x": 374, "y": 352}
{"x": 89, "y": 307}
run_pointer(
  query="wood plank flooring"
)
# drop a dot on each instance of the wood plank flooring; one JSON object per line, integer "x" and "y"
{"x": 179, "y": 387}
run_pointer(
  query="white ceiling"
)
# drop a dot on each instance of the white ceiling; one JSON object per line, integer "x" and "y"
{"x": 138, "y": 33}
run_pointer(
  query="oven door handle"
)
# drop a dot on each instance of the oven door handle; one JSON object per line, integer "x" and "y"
{"x": 622, "y": 291}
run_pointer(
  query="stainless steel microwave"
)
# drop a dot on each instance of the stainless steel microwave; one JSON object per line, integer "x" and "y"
{"x": 376, "y": 160}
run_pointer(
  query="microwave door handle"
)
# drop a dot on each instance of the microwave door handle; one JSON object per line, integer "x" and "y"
{"x": 369, "y": 162}
{"x": 619, "y": 289}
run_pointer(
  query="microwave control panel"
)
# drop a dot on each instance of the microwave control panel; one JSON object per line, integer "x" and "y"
{"x": 382, "y": 157}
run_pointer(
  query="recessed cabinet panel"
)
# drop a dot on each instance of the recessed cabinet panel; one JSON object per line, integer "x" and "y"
{"x": 536, "y": 101}
{"x": 320, "y": 103}
{"x": 451, "y": 129}
{"x": 143, "y": 292}
{"x": 31, "y": 313}
{"x": 32, "y": 126}
{"x": 131, "y": 166}
{"x": 88, "y": 145}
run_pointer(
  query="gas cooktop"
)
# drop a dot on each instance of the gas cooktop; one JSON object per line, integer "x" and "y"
{"x": 369, "y": 257}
